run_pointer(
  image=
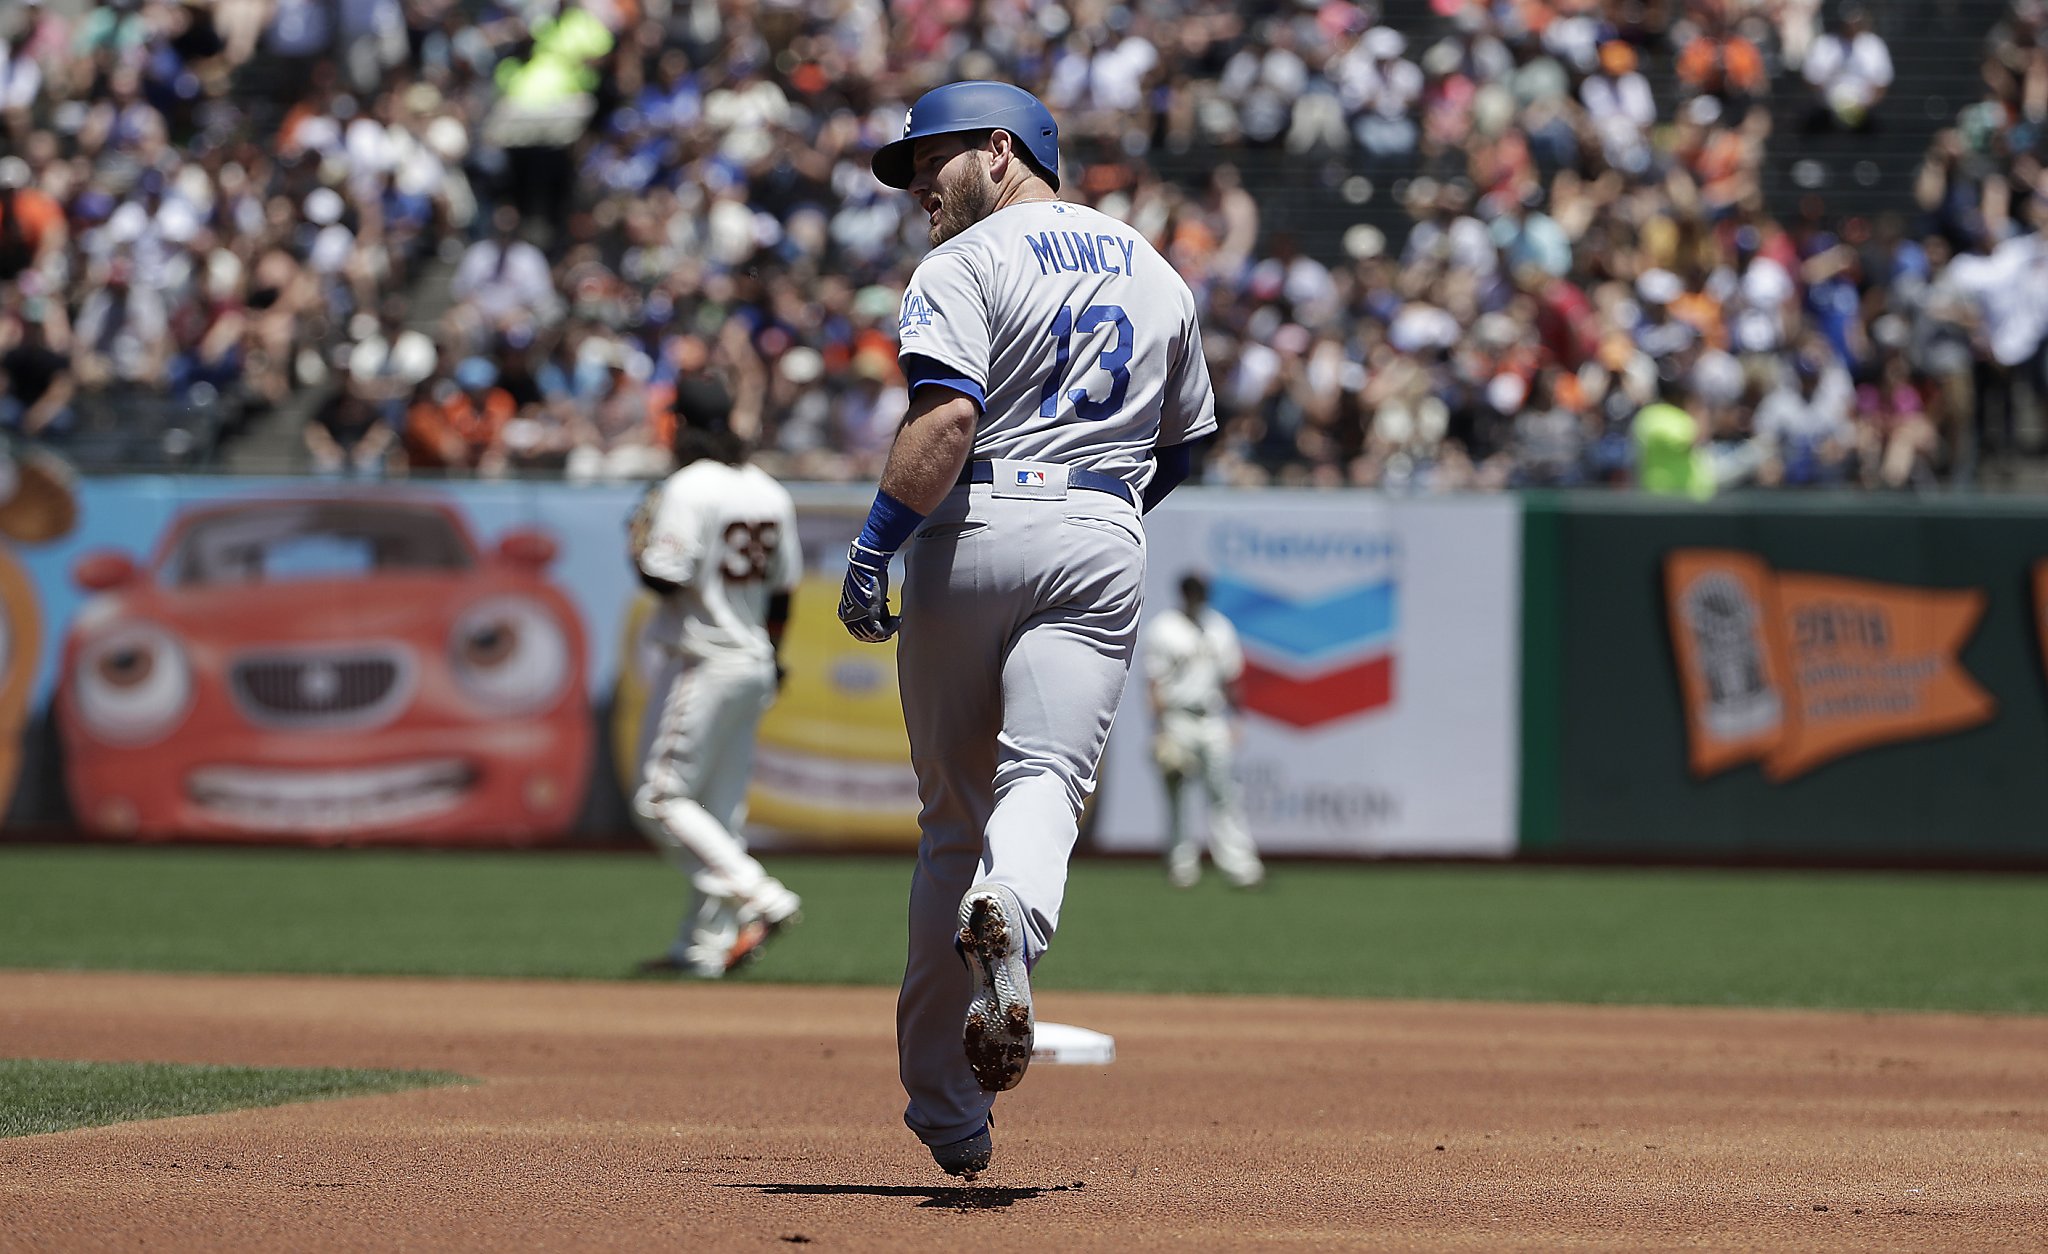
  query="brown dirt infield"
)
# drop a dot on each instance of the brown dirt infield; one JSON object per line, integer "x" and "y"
{"x": 760, "y": 1117}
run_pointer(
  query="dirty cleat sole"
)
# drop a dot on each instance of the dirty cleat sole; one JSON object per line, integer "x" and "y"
{"x": 965, "y": 1158}
{"x": 998, "y": 1029}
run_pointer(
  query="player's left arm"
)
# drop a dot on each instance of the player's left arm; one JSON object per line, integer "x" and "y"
{"x": 777, "y": 624}
{"x": 1187, "y": 417}
{"x": 1170, "y": 468}
{"x": 1229, "y": 657}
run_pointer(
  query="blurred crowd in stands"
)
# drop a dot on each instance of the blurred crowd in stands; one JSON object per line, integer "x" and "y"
{"x": 507, "y": 239}
{"x": 177, "y": 259}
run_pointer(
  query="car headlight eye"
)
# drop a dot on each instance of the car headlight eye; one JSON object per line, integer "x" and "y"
{"x": 488, "y": 645}
{"x": 133, "y": 685}
{"x": 127, "y": 667}
{"x": 511, "y": 654}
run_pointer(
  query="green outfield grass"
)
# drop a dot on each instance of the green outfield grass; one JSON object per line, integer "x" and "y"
{"x": 40, "y": 1095}
{"x": 1680, "y": 937}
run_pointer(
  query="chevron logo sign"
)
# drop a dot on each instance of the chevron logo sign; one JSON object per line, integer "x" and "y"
{"x": 1317, "y": 658}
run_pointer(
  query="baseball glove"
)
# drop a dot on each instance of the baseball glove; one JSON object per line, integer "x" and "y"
{"x": 1171, "y": 755}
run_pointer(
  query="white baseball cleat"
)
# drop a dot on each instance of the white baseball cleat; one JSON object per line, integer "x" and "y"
{"x": 775, "y": 909}
{"x": 997, "y": 1033}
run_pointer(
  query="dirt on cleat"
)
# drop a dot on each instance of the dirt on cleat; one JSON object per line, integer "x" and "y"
{"x": 997, "y": 1031}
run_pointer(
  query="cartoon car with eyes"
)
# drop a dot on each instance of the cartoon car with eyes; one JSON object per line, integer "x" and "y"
{"x": 327, "y": 671}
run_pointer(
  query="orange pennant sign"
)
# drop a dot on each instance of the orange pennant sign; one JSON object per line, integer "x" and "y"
{"x": 2041, "y": 607}
{"x": 1796, "y": 670}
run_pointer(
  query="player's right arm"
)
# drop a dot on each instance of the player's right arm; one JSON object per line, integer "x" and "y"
{"x": 945, "y": 333}
{"x": 924, "y": 463}
{"x": 931, "y": 447}
{"x": 947, "y": 344}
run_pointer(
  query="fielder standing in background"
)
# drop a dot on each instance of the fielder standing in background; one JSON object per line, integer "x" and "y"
{"x": 717, "y": 543}
{"x": 1192, "y": 662}
{"x": 1056, "y": 379}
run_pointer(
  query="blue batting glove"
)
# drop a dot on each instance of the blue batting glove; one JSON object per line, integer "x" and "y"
{"x": 864, "y": 597}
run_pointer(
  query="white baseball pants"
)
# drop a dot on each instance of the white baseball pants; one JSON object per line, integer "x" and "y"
{"x": 1019, "y": 620}
{"x": 1202, "y": 747}
{"x": 702, "y": 718}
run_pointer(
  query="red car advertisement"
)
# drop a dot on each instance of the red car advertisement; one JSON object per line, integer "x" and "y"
{"x": 329, "y": 671}
{"x": 38, "y": 504}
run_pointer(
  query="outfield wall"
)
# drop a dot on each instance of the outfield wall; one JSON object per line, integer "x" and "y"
{"x": 1380, "y": 684}
{"x": 1837, "y": 678}
{"x": 327, "y": 662}
{"x": 1581, "y": 676}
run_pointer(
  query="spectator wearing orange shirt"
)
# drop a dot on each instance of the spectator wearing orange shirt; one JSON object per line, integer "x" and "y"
{"x": 457, "y": 425}
{"x": 1721, "y": 63}
{"x": 32, "y": 226}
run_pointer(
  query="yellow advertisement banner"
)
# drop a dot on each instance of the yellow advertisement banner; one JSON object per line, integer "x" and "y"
{"x": 1796, "y": 670}
{"x": 831, "y": 769}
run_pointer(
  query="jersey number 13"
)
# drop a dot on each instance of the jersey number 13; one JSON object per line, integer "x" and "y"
{"x": 1115, "y": 360}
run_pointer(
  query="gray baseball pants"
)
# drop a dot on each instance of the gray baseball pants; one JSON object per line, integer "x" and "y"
{"x": 1019, "y": 618}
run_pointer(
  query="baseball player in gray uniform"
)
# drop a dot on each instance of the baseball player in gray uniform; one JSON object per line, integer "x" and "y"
{"x": 717, "y": 541}
{"x": 1056, "y": 378}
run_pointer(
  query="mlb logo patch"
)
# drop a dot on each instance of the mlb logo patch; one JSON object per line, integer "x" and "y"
{"x": 1031, "y": 478}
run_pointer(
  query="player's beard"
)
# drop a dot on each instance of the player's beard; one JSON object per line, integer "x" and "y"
{"x": 961, "y": 206}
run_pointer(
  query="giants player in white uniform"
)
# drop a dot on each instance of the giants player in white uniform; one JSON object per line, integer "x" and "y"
{"x": 1057, "y": 379}
{"x": 1192, "y": 659}
{"x": 718, "y": 542}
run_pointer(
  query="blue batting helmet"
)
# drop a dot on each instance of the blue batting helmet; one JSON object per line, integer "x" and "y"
{"x": 974, "y": 106}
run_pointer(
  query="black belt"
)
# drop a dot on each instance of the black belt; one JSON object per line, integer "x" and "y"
{"x": 1086, "y": 480}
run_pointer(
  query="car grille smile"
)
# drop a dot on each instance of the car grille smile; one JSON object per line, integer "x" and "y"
{"x": 342, "y": 799}
{"x": 320, "y": 689}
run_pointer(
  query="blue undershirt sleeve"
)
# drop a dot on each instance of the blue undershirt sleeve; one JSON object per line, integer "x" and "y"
{"x": 1174, "y": 465}
{"x": 919, "y": 370}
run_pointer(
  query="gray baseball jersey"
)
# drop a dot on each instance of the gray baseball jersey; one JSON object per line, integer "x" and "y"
{"x": 1077, "y": 336}
{"x": 1021, "y": 598}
